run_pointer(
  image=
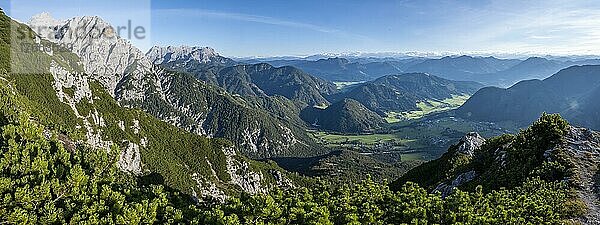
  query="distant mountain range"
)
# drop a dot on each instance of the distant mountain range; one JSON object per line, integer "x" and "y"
{"x": 531, "y": 68}
{"x": 378, "y": 56}
{"x": 494, "y": 71}
{"x": 572, "y": 92}
{"x": 342, "y": 69}
{"x": 486, "y": 70}
{"x": 392, "y": 56}
{"x": 462, "y": 67}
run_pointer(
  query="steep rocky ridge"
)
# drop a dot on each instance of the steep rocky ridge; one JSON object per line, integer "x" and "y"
{"x": 81, "y": 106}
{"x": 583, "y": 147}
{"x": 186, "y": 54}
{"x": 131, "y": 78}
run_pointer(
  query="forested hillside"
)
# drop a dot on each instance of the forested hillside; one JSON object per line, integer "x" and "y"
{"x": 259, "y": 79}
{"x": 346, "y": 116}
{"x": 285, "y": 81}
{"x": 402, "y": 92}
{"x": 45, "y": 181}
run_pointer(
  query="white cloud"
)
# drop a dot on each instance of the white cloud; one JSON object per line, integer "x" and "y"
{"x": 548, "y": 27}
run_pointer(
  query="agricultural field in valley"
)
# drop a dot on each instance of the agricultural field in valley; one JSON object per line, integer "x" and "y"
{"x": 427, "y": 107}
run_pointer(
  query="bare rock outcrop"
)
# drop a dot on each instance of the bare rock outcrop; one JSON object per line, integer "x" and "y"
{"x": 184, "y": 54}
{"x": 104, "y": 56}
{"x": 582, "y": 146}
{"x": 446, "y": 189}
{"x": 130, "y": 159}
{"x": 470, "y": 142}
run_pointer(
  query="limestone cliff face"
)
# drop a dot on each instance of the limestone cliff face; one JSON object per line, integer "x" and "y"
{"x": 133, "y": 81}
{"x": 469, "y": 143}
{"x": 105, "y": 57}
{"x": 184, "y": 54}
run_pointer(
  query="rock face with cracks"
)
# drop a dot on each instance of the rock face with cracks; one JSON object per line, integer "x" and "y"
{"x": 469, "y": 143}
{"x": 160, "y": 55}
{"x": 104, "y": 56}
{"x": 131, "y": 78}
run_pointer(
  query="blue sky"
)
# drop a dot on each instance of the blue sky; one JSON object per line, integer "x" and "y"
{"x": 277, "y": 27}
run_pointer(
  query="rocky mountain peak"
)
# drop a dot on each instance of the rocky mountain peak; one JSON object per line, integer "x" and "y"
{"x": 105, "y": 56}
{"x": 161, "y": 55}
{"x": 44, "y": 25}
{"x": 582, "y": 147}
